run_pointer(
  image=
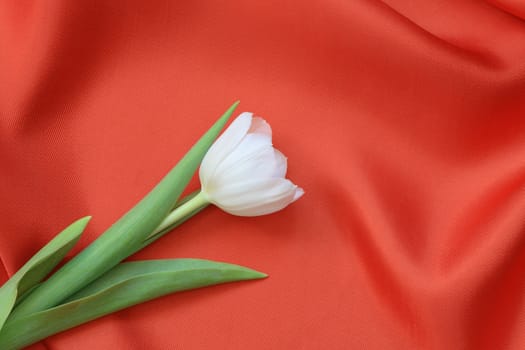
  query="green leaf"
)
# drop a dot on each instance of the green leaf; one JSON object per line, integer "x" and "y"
{"x": 8, "y": 295}
{"x": 126, "y": 235}
{"x": 39, "y": 266}
{"x": 125, "y": 285}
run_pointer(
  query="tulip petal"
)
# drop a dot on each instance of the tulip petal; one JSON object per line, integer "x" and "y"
{"x": 224, "y": 145}
{"x": 255, "y": 196}
{"x": 251, "y": 146}
{"x": 260, "y": 126}
{"x": 280, "y": 164}
{"x": 267, "y": 208}
{"x": 298, "y": 194}
{"x": 256, "y": 165}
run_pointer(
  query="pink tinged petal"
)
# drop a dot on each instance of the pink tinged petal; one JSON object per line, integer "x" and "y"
{"x": 224, "y": 145}
{"x": 260, "y": 126}
{"x": 254, "y": 197}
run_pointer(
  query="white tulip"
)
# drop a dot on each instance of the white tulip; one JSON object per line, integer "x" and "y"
{"x": 243, "y": 174}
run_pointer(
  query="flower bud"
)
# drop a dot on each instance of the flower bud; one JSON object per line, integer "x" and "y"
{"x": 243, "y": 174}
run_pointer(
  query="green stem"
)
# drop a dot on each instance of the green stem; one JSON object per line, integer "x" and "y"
{"x": 189, "y": 206}
{"x": 179, "y": 213}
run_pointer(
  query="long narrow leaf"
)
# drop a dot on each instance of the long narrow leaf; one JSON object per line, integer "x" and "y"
{"x": 126, "y": 235}
{"x": 8, "y": 295}
{"x": 125, "y": 285}
{"x": 39, "y": 266}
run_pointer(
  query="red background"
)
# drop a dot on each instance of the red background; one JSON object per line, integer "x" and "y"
{"x": 403, "y": 120}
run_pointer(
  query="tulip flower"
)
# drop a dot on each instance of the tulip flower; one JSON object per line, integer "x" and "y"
{"x": 242, "y": 173}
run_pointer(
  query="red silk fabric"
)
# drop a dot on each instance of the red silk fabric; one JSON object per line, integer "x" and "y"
{"x": 403, "y": 120}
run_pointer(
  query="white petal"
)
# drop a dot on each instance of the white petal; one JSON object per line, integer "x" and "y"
{"x": 298, "y": 194}
{"x": 272, "y": 207}
{"x": 250, "y": 146}
{"x": 224, "y": 145}
{"x": 260, "y": 126}
{"x": 254, "y": 197}
{"x": 280, "y": 164}
{"x": 257, "y": 165}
